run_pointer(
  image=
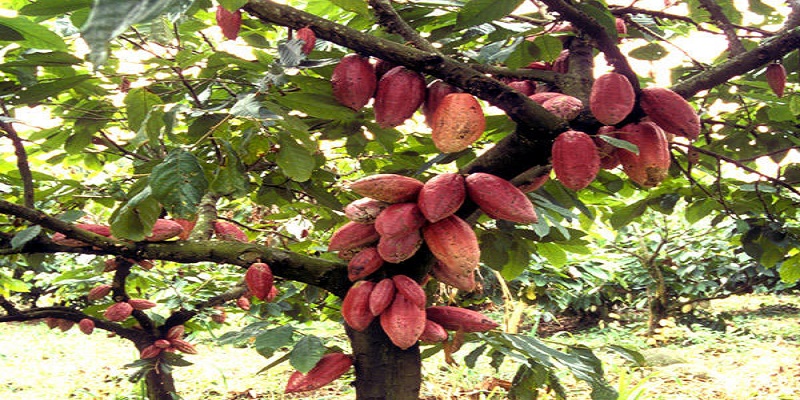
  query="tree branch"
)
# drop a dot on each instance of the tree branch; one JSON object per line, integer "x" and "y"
{"x": 720, "y": 19}
{"x": 22, "y": 159}
{"x": 388, "y": 17}
{"x": 70, "y": 314}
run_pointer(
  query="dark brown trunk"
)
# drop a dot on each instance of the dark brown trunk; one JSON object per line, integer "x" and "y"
{"x": 658, "y": 299}
{"x": 160, "y": 385}
{"x": 383, "y": 370}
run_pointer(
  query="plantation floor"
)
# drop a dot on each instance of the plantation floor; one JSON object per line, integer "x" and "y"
{"x": 757, "y": 357}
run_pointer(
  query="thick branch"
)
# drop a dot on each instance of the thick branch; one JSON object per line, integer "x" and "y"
{"x": 734, "y": 44}
{"x": 67, "y": 313}
{"x": 388, "y": 17}
{"x": 22, "y": 161}
{"x": 182, "y": 316}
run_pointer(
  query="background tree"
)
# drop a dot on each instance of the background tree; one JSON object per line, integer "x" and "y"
{"x": 197, "y": 127}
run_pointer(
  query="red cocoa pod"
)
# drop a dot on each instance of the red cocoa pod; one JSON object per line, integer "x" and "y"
{"x": 308, "y": 37}
{"x": 65, "y": 324}
{"x": 434, "y": 93}
{"x": 102, "y": 230}
{"x": 564, "y": 107}
{"x": 608, "y": 153}
{"x": 526, "y": 87}
{"x": 183, "y": 346}
{"x": 259, "y": 279}
{"x": 219, "y": 316}
{"x": 352, "y": 235}
{"x": 651, "y": 165}
{"x": 364, "y": 210}
{"x": 243, "y": 302}
{"x": 441, "y": 196}
{"x": 453, "y": 242}
{"x": 433, "y": 332}
{"x": 541, "y": 97}
{"x": 150, "y": 352}
{"x": 187, "y": 225}
{"x": 389, "y": 188}
{"x": 141, "y": 304}
{"x": 575, "y": 159}
{"x": 457, "y": 278}
{"x": 348, "y": 254}
{"x": 110, "y": 265}
{"x": 98, "y": 292}
{"x": 224, "y": 230}
{"x": 396, "y": 249}
{"x": 561, "y": 63}
{"x": 399, "y": 219}
{"x": 364, "y": 264}
{"x": 622, "y": 28}
{"x": 51, "y": 322}
{"x": 118, "y": 312}
{"x": 399, "y": 94}
{"x": 529, "y": 185}
{"x": 164, "y": 229}
{"x": 353, "y": 81}
{"x": 86, "y": 326}
{"x": 460, "y": 319}
{"x": 410, "y": 289}
{"x": 670, "y": 111}
{"x": 176, "y": 332}
{"x": 329, "y": 368}
{"x": 355, "y": 306}
{"x": 382, "y": 296}
{"x": 162, "y": 343}
{"x": 539, "y": 65}
{"x": 612, "y": 98}
{"x": 382, "y": 67}
{"x": 273, "y": 293}
{"x": 776, "y": 78}
{"x": 229, "y": 21}
{"x": 145, "y": 264}
{"x": 457, "y": 122}
{"x": 403, "y": 322}
{"x": 499, "y": 199}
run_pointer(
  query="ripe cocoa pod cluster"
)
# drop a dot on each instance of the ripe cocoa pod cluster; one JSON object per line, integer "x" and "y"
{"x": 171, "y": 342}
{"x": 121, "y": 310}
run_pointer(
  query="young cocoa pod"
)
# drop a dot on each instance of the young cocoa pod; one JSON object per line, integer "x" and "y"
{"x": 670, "y": 111}
{"x": 352, "y": 235}
{"x": 259, "y": 279}
{"x": 183, "y": 346}
{"x": 612, "y": 98}
{"x": 575, "y": 159}
{"x": 162, "y": 343}
{"x": 102, "y": 230}
{"x": 353, "y": 81}
{"x": 188, "y": 227}
{"x": 651, "y": 165}
{"x": 460, "y": 319}
{"x": 541, "y": 97}
{"x": 561, "y": 63}
{"x": 219, "y": 316}
{"x": 454, "y": 277}
{"x": 229, "y": 21}
{"x": 564, "y": 107}
{"x": 364, "y": 264}
{"x": 118, "y": 312}
{"x": 243, "y": 302}
{"x": 364, "y": 210}
{"x": 399, "y": 94}
{"x": 410, "y": 289}
{"x": 389, "y": 188}
{"x": 457, "y": 122}
{"x": 65, "y": 325}
{"x": 526, "y": 87}
{"x": 224, "y": 230}
{"x": 141, "y": 304}
{"x": 355, "y": 306}
{"x": 499, "y": 199}
{"x": 98, "y": 292}
{"x": 382, "y": 296}
{"x": 51, "y": 322}
{"x": 776, "y": 78}
{"x": 396, "y": 249}
{"x": 403, "y": 322}
{"x": 273, "y": 293}
{"x": 329, "y": 368}
{"x": 149, "y": 352}
{"x": 533, "y": 183}
{"x": 433, "y": 332}
{"x": 399, "y": 219}
{"x": 453, "y": 242}
{"x": 308, "y": 37}
{"x": 382, "y": 67}
{"x": 164, "y": 229}
{"x": 176, "y": 332}
{"x": 86, "y": 326}
{"x": 441, "y": 196}
{"x": 608, "y": 153}
{"x": 434, "y": 93}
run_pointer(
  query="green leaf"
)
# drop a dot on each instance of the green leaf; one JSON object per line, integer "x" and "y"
{"x": 25, "y": 236}
{"x": 134, "y": 220}
{"x": 50, "y": 8}
{"x": 619, "y": 143}
{"x": 625, "y": 215}
{"x": 232, "y": 5}
{"x": 294, "y": 160}
{"x": 552, "y": 253}
{"x": 230, "y": 178}
{"x": 271, "y": 340}
{"x": 629, "y": 354}
{"x": 317, "y": 105}
{"x": 357, "y": 6}
{"x": 306, "y": 353}
{"x": 477, "y": 12}
{"x": 41, "y": 91}
{"x": 649, "y": 52}
{"x": 519, "y": 257}
{"x": 250, "y": 107}
{"x": 139, "y": 102}
{"x": 34, "y": 35}
{"x": 547, "y": 47}
{"x": 179, "y": 183}
{"x": 790, "y": 269}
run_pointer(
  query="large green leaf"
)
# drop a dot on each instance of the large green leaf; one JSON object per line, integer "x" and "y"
{"x": 49, "y": 8}
{"x": 306, "y": 353}
{"x": 294, "y": 160}
{"x": 134, "y": 220}
{"x": 41, "y": 91}
{"x": 317, "y": 105}
{"x": 477, "y": 12}
{"x": 270, "y": 340}
{"x": 34, "y": 35}
{"x": 179, "y": 183}
{"x": 230, "y": 178}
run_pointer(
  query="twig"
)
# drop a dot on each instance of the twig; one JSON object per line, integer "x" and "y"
{"x": 734, "y": 44}
{"x": 388, "y": 17}
{"x": 25, "y": 173}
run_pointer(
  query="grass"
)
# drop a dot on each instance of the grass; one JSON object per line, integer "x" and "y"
{"x": 756, "y": 358}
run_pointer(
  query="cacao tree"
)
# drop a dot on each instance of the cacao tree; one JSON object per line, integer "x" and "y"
{"x": 245, "y": 122}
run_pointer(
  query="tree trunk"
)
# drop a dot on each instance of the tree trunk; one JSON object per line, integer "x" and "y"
{"x": 383, "y": 370}
{"x": 160, "y": 385}
{"x": 658, "y": 299}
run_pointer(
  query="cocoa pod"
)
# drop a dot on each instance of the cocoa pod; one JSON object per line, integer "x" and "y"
{"x": 364, "y": 210}
{"x": 670, "y": 111}
{"x": 65, "y": 325}
{"x": 389, "y": 188}
{"x": 612, "y": 98}
{"x": 608, "y": 153}
{"x": 457, "y": 278}
{"x": 183, "y": 346}
{"x": 526, "y": 87}
{"x": 259, "y": 279}
{"x": 308, "y": 37}
{"x": 399, "y": 219}
{"x": 118, "y": 312}
{"x": 348, "y": 254}
{"x": 382, "y": 67}
{"x": 353, "y": 81}
{"x": 86, "y": 326}
{"x": 776, "y": 78}
{"x": 110, "y": 265}
{"x": 651, "y": 165}
{"x": 561, "y": 63}
{"x": 355, "y": 306}
{"x": 622, "y": 28}
{"x": 460, "y": 319}
{"x": 403, "y": 321}
{"x": 329, "y": 368}
{"x": 457, "y": 122}
{"x": 243, "y": 302}
{"x": 219, "y": 316}
{"x": 145, "y": 264}
{"x": 273, "y": 293}
{"x": 224, "y": 230}
{"x": 229, "y": 21}
{"x": 352, "y": 235}
{"x": 164, "y": 229}
{"x": 364, "y": 264}
{"x": 176, "y": 332}
{"x": 51, "y": 322}
{"x": 410, "y": 289}
{"x": 162, "y": 343}
{"x": 441, "y": 196}
{"x": 399, "y": 94}
{"x": 564, "y": 107}
{"x": 534, "y": 183}
{"x": 434, "y": 93}
{"x": 382, "y": 296}
{"x": 396, "y": 249}
{"x": 98, "y": 292}
{"x": 188, "y": 227}
{"x": 541, "y": 97}
{"x": 141, "y": 304}
{"x": 539, "y": 65}
{"x": 499, "y": 199}
{"x": 453, "y": 242}
{"x": 575, "y": 159}
{"x": 150, "y": 352}
{"x": 433, "y": 332}
{"x": 102, "y": 230}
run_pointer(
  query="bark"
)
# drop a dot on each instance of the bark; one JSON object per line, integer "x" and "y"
{"x": 160, "y": 385}
{"x": 383, "y": 370}
{"x": 659, "y": 301}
